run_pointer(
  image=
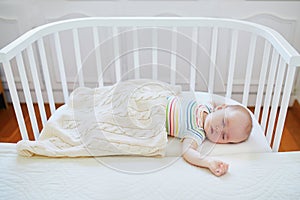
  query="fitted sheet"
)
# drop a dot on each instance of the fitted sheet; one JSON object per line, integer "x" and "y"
{"x": 250, "y": 176}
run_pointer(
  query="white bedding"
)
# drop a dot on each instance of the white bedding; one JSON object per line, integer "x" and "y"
{"x": 250, "y": 176}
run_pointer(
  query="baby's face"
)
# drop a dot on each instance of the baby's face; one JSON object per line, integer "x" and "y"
{"x": 226, "y": 126}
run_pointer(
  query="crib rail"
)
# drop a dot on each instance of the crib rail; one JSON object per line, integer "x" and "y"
{"x": 48, "y": 62}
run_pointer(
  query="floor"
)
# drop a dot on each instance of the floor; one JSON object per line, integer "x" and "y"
{"x": 9, "y": 131}
{"x": 291, "y": 134}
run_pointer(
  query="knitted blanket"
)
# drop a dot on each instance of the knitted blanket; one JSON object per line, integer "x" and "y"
{"x": 127, "y": 118}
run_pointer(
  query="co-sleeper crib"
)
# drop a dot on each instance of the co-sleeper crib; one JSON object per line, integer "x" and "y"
{"x": 238, "y": 61}
{"x": 29, "y": 62}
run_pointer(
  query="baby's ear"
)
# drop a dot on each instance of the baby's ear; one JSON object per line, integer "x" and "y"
{"x": 222, "y": 106}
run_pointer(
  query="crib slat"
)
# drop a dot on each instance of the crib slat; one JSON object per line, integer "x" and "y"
{"x": 136, "y": 59}
{"x": 213, "y": 55}
{"x": 61, "y": 66}
{"x": 78, "y": 57}
{"x": 36, "y": 84}
{"x": 262, "y": 79}
{"x": 98, "y": 55}
{"x": 233, "y": 50}
{"x": 173, "y": 56}
{"x": 288, "y": 85}
{"x": 154, "y": 54}
{"x": 193, "y": 59}
{"x": 46, "y": 75}
{"x": 15, "y": 99}
{"x": 276, "y": 96}
{"x": 28, "y": 99}
{"x": 249, "y": 69}
{"x": 269, "y": 90}
{"x": 116, "y": 53}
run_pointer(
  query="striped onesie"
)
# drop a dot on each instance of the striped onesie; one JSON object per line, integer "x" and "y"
{"x": 184, "y": 118}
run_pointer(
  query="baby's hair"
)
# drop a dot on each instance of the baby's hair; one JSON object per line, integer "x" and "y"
{"x": 248, "y": 125}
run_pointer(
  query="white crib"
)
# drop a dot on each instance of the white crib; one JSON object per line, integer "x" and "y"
{"x": 204, "y": 55}
{"x": 200, "y": 54}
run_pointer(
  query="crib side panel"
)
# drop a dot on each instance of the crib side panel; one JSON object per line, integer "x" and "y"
{"x": 15, "y": 98}
{"x": 29, "y": 82}
{"x": 288, "y": 85}
{"x": 273, "y": 95}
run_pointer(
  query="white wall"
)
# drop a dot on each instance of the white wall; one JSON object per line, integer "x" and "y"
{"x": 19, "y": 16}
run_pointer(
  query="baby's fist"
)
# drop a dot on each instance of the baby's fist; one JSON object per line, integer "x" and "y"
{"x": 218, "y": 168}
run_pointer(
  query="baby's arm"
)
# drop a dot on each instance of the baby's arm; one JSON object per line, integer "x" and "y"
{"x": 192, "y": 156}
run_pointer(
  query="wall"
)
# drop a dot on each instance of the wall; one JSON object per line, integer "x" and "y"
{"x": 17, "y": 16}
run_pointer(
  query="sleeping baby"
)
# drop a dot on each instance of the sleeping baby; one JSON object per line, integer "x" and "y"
{"x": 194, "y": 122}
{"x": 129, "y": 119}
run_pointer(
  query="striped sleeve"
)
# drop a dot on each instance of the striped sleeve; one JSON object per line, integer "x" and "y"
{"x": 172, "y": 116}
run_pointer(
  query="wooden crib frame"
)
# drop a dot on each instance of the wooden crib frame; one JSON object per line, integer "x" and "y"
{"x": 30, "y": 57}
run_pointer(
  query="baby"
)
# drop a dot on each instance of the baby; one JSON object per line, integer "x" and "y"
{"x": 193, "y": 122}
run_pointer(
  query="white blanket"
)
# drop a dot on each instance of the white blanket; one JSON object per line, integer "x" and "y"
{"x": 127, "y": 118}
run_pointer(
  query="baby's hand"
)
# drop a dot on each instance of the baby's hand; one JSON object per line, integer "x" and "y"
{"x": 218, "y": 168}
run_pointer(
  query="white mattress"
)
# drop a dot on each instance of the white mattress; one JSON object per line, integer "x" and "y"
{"x": 254, "y": 173}
{"x": 250, "y": 176}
